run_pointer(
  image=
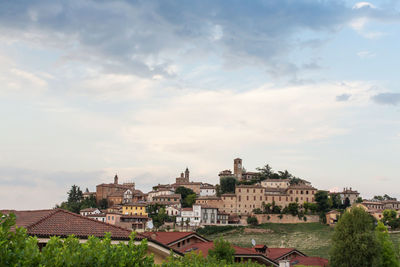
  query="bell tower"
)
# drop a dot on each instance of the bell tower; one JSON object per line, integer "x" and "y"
{"x": 187, "y": 174}
{"x": 116, "y": 179}
{"x": 237, "y": 168}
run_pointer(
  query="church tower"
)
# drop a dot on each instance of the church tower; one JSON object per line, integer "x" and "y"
{"x": 187, "y": 174}
{"x": 116, "y": 179}
{"x": 237, "y": 168}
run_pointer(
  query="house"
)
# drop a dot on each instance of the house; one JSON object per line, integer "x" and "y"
{"x": 89, "y": 211}
{"x": 172, "y": 211}
{"x": 241, "y": 254}
{"x": 207, "y": 190}
{"x": 209, "y": 215}
{"x": 350, "y": 194}
{"x": 332, "y": 217}
{"x": 222, "y": 217}
{"x": 101, "y": 217}
{"x": 58, "y": 222}
{"x": 173, "y": 199}
{"x": 176, "y": 240}
{"x": 136, "y": 208}
{"x": 160, "y": 192}
{"x": 190, "y": 216}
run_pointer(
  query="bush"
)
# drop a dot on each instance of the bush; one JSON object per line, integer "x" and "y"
{"x": 252, "y": 220}
{"x": 212, "y": 229}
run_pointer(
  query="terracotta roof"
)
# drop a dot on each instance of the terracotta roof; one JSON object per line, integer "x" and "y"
{"x": 204, "y": 247}
{"x": 89, "y": 210}
{"x": 301, "y": 186}
{"x": 276, "y": 180}
{"x": 208, "y": 198}
{"x": 167, "y": 238}
{"x": 59, "y": 222}
{"x": 168, "y": 196}
{"x": 228, "y": 195}
{"x": 277, "y": 253}
{"x": 309, "y": 261}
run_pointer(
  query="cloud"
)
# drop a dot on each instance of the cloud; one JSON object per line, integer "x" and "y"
{"x": 147, "y": 38}
{"x": 387, "y": 98}
{"x": 363, "y": 5}
{"x": 365, "y": 54}
{"x": 343, "y": 97}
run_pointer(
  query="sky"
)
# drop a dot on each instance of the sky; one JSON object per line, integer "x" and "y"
{"x": 145, "y": 89}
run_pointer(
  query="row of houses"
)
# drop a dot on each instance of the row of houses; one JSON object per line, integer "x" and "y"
{"x": 57, "y": 222}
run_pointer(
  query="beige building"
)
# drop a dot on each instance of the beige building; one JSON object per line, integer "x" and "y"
{"x": 249, "y": 197}
{"x": 276, "y": 183}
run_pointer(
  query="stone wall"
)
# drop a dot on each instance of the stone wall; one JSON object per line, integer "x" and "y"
{"x": 286, "y": 218}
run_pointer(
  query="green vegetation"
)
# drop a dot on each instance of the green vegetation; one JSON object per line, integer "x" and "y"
{"x": 197, "y": 260}
{"x": 188, "y": 197}
{"x": 76, "y": 202}
{"x": 252, "y": 220}
{"x": 228, "y": 184}
{"x": 212, "y": 229}
{"x": 222, "y": 251}
{"x": 18, "y": 249}
{"x": 354, "y": 242}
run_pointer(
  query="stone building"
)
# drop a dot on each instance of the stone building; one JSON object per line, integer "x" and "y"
{"x": 352, "y": 195}
{"x": 208, "y": 190}
{"x": 249, "y": 197}
{"x": 103, "y": 191}
{"x": 276, "y": 183}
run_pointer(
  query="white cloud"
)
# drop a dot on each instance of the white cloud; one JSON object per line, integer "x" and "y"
{"x": 363, "y": 5}
{"x": 366, "y": 54}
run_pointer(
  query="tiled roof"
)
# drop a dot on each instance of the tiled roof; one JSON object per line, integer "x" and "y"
{"x": 309, "y": 261}
{"x": 276, "y": 180}
{"x": 167, "y": 238}
{"x": 301, "y": 186}
{"x": 276, "y": 253}
{"x": 204, "y": 247}
{"x": 136, "y": 204}
{"x": 187, "y": 209}
{"x": 117, "y": 194}
{"x": 89, "y": 210}
{"x": 249, "y": 186}
{"x": 59, "y": 222}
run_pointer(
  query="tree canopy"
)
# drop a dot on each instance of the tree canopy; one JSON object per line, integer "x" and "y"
{"x": 228, "y": 184}
{"x": 354, "y": 242}
{"x": 222, "y": 251}
{"x": 188, "y": 196}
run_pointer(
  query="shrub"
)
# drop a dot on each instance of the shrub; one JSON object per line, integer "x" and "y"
{"x": 252, "y": 220}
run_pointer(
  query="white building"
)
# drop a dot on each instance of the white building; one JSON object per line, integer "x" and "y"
{"x": 173, "y": 211}
{"x": 90, "y": 211}
{"x": 190, "y": 215}
{"x": 208, "y": 190}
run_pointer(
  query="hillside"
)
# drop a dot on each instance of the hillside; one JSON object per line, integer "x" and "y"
{"x": 310, "y": 238}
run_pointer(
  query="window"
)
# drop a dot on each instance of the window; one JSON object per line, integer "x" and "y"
{"x": 240, "y": 190}
{"x": 247, "y": 190}
{"x": 254, "y": 198}
{"x": 254, "y": 190}
{"x": 108, "y": 217}
{"x": 240, "y": 198}
{"x": 307, "y": 192}
{"x": 247, "y": 197}
{"x": 301, "y": 191}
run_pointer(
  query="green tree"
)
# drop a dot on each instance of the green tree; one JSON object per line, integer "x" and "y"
{"x": 222, "y": 250}
{"x": 389, "y": 215}
{"x": 103, "y": 203}
{"x": 388, "y": 256}
{"x": 359, "y": 200}
{"x": 228, "y": 184}
{"x": 321, "y": 198}
{"x": 335, "y": 200}
{"x": 190, "y": 200}
{"x": 89, "y": 202}
{"x": 266, "y": 172}
{"x": 185, "y": 192}
{"x": 75, "y": 198}
{"x": 354, "y": 242}
{"x": 293, "y": 208}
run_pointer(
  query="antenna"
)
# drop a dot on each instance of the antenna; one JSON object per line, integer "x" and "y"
{"x": 253, "y": 242}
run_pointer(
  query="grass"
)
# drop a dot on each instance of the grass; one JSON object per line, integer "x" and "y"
{"x": 310, "y": 238}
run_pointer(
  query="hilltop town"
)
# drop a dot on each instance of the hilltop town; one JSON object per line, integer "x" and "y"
{"x": 240, "y": 198}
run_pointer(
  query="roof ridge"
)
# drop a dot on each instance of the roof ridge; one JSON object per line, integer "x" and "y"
{"x": 108, "y": 224}
{"x": 51, "y": 213}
